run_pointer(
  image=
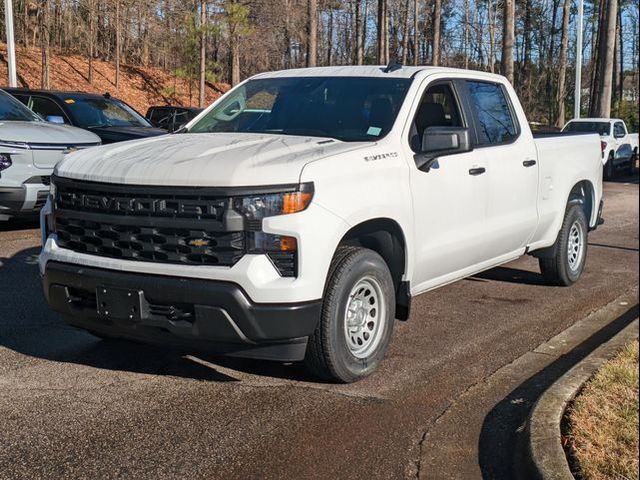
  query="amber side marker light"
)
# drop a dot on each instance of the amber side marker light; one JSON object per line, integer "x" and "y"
{"x": 296, "y": 202}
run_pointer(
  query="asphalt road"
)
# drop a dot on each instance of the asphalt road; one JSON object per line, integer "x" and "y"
{"x": 72, "y": 406}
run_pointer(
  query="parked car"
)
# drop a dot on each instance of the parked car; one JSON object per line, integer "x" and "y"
{"x": 298, "y": 216}
{"x": 619, "y": 147}
{"x": 109, "y": 118}
{"x": 171, "y": 118}
{"x": 29, "y": 149}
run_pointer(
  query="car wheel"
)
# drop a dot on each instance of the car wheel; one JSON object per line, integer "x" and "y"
{"x": 609, "y": 169}
{"x": 357, "y": 318}
{"x": 566, "y": 265}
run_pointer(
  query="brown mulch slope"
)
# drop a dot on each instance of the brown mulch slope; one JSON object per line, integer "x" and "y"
{"x": 140, "y": 87}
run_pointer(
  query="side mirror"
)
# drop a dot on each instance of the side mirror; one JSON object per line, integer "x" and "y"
{"x": 57, "y": 119}
{"x": 442, "y": 141}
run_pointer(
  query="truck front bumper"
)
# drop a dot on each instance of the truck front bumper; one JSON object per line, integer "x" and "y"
{"x": 28, "y": 198}
{"x": 204, "y": 315}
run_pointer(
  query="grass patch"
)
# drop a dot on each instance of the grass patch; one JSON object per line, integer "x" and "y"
{"x": 602, "y": 433}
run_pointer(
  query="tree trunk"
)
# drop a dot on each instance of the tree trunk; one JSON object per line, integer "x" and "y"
{"x": 92, "y": 16}
{"x": 562, "y": 71}
{"x": 621, "y": 50}
{"x": 416, "y": 35}
{"x": 330, "y": 38}
{"x": 606, "y": 58}
{"x": 405, "y": 34}
{"x": 381, "y": 40}
{"x": 466, "y": 34}
{"x": 44, "y": 41}
{"x": 203, "y": 52}
{"x": 492, "y": 35}
{"x": 525, "y": 84}
{"x": 312, "y": 33}
{"x": 235, "y": 61}
{"x": 437, "y": 20}
{"x": 118, "y": 46}
{"x": 359, "y": 40}
{"x": 508, "y": 33}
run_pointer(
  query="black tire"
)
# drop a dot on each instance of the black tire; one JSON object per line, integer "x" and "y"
{"x": 329, "y": 354}
{"x": 557, "y": 269}
{"x": 609, "y": 169}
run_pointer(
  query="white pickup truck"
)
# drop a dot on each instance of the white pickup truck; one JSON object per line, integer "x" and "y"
{"x": 296, "y": 218}
{"x": 619, "y": 147}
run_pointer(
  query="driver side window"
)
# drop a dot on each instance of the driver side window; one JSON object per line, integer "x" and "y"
{"x": 438, "y": 108}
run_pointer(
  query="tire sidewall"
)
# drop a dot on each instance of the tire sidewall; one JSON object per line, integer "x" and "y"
{"x": 364, "y": 263}
{"x": 575, "y": 213}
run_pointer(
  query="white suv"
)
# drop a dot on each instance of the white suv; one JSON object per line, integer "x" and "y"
{"x": 29, "y": 150}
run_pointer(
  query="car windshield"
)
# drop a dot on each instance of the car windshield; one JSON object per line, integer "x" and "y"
{"x": 13, "y": 110}
{"x": 350, "y": 109}
{"x": 103, "y": 112}
{"x": 601, "y": 128}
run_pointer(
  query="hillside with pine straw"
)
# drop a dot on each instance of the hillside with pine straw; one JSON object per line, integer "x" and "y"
{"x": 140, "y": 87}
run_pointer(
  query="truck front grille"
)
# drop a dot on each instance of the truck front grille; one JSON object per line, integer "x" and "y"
{"x": 150, "y": 244}
{"x": 146, "y": 224}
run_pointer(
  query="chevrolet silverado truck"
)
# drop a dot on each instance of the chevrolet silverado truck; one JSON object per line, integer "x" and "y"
{"x": 296, "y": 218}
{"x": 619, "y": 147}
{"x": 29, "y": 149}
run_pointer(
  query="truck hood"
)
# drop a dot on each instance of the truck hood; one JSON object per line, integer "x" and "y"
{"x": 204, "y": 159}
{"x": 111, "y": 134}
{"x": 45, "y": 133}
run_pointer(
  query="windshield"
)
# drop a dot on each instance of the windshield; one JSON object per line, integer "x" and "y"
{"x": 12, "y": 110}
{"x": 350, "y": 109}
{"x": 103, "y": 112}
{"x": 601, "y": 128}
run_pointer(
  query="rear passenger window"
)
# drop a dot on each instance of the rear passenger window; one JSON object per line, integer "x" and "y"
{"x": 495, "y": 120}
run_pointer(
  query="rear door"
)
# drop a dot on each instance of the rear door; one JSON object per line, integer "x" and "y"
{"x": 449, "y": 200}
{"x": 512, "y": 169}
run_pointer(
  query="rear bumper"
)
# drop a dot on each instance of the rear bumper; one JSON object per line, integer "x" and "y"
{"x": 207, "y": 315}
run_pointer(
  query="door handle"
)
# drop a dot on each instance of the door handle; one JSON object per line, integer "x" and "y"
{"x": 529, "y": 163}
{"x": 477, "y": 171}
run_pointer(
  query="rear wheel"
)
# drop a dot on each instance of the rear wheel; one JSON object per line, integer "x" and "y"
{"x": 565, "y": 267}
{"x": 609, "y": 170}
{"x": 356, "y": 324}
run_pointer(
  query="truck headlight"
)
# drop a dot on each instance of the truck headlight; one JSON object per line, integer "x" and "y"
{"x": 257, "y": 207}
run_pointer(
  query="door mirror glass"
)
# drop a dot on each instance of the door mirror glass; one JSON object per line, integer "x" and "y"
{"x": 57, "y": 119}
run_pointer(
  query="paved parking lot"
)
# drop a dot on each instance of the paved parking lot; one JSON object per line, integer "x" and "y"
{"x": 74, "y": 406}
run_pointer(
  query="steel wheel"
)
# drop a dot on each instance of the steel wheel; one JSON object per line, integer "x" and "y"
{"x": 364, "y": 317}
{"x": 575, "y": 246}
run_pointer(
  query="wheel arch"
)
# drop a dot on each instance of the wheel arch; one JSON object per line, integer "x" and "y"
{"x": 583, "y": 193}
{"x": 386, "y": 237}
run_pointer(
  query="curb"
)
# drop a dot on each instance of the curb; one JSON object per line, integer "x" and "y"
{"x": 545, "y": 454}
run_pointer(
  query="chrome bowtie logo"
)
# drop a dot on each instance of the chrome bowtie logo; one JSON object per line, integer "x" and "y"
{"x": 199, "y": 242}
{"x": 69, "y": 150}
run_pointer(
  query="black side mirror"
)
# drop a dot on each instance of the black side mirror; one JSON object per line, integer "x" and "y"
{"x": 442, "y": 141}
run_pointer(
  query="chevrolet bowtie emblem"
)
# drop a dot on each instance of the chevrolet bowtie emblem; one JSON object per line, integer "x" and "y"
{"x": 199, "y": 242}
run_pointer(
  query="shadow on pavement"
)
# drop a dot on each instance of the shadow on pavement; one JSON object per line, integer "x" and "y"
{"x": 29, "y": 327}
{"x": 16, "y": 224}
{"x": 510, "y": 275}
{"x": 627, "y": 249}
{"x": 503, "y": 431}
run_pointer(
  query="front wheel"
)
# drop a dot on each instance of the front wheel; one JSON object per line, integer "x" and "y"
{"x": 565, "y": 267}
{"x": 356, "y": 324}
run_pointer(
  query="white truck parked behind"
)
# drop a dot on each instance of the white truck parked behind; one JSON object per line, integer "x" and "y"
{"x": 296, "y": 218}
{"x": 29, "y": 149}
{"x": 619, "y": 147}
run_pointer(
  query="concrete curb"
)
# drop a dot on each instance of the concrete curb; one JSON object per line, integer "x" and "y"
{"x": 546, "y": 456}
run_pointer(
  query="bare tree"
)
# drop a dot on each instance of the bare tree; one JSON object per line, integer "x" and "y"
{"x": 416, "y": 34}
{"x": 312, "y": 29}
{"x": 437, "y": 20}
{"x": 44, "y": 41}
{"x": 118, "y": 46}
{"x": 601, "y": 106}
{"x": 508, "y": 36}
{"x": 358, "y": 33}
{"x": 562, "y": 70}
{"x": 203, "y": 52}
